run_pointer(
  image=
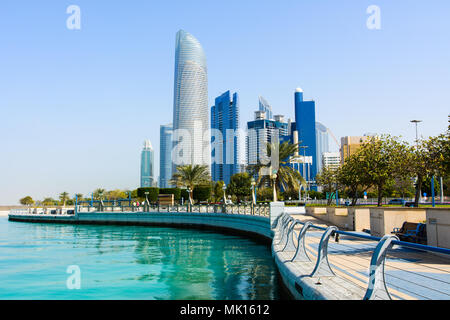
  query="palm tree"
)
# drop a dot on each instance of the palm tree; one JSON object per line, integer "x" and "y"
{"x": 286, "y": 177}
{"x": 190, "y": 176}
{"x": 98, "y": 194}
{"x": 63, "y": 197}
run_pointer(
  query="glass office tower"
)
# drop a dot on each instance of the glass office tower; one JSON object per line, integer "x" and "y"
{"x": 190, "y": 107}
{"x": 305, "y": 120}
{"x": 165, "y": 158}
{"x": 147, "y": 165}
{"x": 225, "y": 151}
{"x": 322, "y": 144}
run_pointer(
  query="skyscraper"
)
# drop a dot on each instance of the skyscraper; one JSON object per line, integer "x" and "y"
{"x": 305, "y": 119}
{"x": 225, "y": 151}
{"x": 349, "y": 145}
{"x": 165, "y": 158}
{"x": 260, "y": 132}
{"x": 322, "y": 143}
{"x": 147, "y": 179}
{"x": 190, "y": 106}
{"x": 265, "y": 107}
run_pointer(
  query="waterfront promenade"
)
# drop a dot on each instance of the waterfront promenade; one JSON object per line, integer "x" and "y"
{"x": 410, "y": 274}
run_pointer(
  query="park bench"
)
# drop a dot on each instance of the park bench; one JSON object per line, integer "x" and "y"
{"x": 412, "y": 232}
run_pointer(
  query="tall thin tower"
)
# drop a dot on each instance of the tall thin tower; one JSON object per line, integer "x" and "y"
{"x": 190, "y": 106}
{"x": 147, "y": 178}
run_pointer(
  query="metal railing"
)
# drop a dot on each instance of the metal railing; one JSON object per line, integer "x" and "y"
{"x": 43, "y": 211}
{"x": 377, "y": 287}
{"x": 256, "y": 210}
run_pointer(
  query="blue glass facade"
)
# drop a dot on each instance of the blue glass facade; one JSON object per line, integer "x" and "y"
{"x": 225, "y": 149}
{"x": 260, "y": 132}
{"x": 147, "y": 179}
{"x": 305, "y": 121}
{"x": 165, "y": 158}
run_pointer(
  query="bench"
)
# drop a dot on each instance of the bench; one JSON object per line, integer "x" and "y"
{"x": 412, "y": 232}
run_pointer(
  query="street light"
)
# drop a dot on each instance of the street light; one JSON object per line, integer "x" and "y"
{"x": 274, "y": 178}
{"x": 253, "y": 188}
{"x": 146, "y": 198}
{"x": 416, "y": 122}
{"x": 224, "y": 188}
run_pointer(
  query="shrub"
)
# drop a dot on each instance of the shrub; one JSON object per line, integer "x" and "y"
{"x": 152, "y": 196}
{"x": 175, "y": 191}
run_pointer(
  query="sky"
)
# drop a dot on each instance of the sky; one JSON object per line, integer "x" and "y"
{"x": 77, "y": 105}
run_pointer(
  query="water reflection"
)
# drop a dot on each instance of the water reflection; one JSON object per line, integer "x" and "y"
{"x": 152, "y": 262}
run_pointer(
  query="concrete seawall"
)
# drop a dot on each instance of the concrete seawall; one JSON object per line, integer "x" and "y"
{"x": 256, "y": 226}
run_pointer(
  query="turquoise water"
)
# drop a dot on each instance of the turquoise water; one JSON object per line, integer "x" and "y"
{"x": 127, "y": 262}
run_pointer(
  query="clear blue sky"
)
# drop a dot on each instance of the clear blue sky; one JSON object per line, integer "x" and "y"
{"x": 76, "y": 105}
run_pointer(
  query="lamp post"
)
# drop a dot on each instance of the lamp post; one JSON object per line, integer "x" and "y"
{"x": 224, "y": 188}
{"x": 274, "y": 178}
{"x": 147, "y": 204}
{"x": 253, "y": 188}
{"x": 416, "y": 122}
{"x": 189, "y": 190}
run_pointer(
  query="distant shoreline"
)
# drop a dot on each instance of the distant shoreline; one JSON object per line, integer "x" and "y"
{"x": 4, "y": 213}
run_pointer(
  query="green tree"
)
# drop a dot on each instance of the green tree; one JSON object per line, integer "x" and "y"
{"x": 202, "y": 192}
{"x": 63, "y": 197}
{"x": 99, "y": 194}
{"x": 27, "y": 201}
{"x": 218, "y": 191}
{"x": 328, "y": 180}
{"x": 152, "y": 193}
{"x": 49, "y": 202}
{"x": 427, "y": 159}
{"x": 353, "y": 177}
{"x": 116, "y": 195}
{"x": 382, "y": 159}
{"x": 287, "y": 177}
{"x": 191, "y": 176}
{"x": 240, "y": 185}
{"x": 264, "y": 194}
{"x": 79, "y": 197}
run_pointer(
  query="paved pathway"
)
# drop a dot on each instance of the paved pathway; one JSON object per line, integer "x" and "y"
{"x": 410, "y": 274}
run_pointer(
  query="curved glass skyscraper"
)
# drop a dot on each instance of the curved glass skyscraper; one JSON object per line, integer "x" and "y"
{"x": 190, "y": 107}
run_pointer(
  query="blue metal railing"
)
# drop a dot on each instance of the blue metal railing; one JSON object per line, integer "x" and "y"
{"x": 377, "y": 287}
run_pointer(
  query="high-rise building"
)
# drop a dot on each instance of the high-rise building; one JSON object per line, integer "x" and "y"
{"x": 147, "y": 179}
{"x": 190, "y": 107}
{"x": 331, "y": 159}
{"x": 165, "y": 158}
{"x": 260, "y": 132}
{"x": 265, "y": 107}
{"x": 305, "y": 122}
{"x": 349, "y": 145}
{"x": 225, "y": 151}
{"x": 322, "y": 143}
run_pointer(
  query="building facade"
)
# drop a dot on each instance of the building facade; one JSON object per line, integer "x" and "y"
{"x": 190, "y": 107}
{"x": 165, "y": 158}
{"x": 260, "y": 132}
{"x": 322, "y": 143}
{"x": 305, "y": 122}
{"x": 331, "y": 159}
{"x": 225, "y": 146}
{"x": 349, "y": 145}
{"x": 265, "y": 107}
{"x": 147, "y": 173}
